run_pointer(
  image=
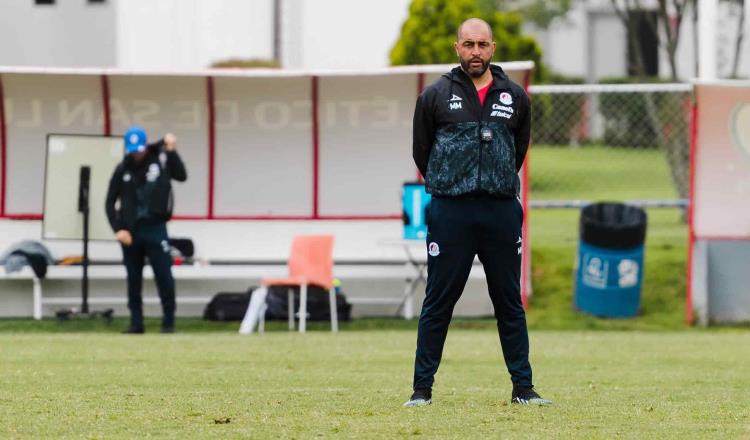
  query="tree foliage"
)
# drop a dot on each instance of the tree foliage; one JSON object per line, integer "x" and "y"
{"x": 539, "y": 12}
{"x": 428, "y": 33}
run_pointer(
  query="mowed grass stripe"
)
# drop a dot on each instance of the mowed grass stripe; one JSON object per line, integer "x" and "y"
{"x": 604, "y": 384}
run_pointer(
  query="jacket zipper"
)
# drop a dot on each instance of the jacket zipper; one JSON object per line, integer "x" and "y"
{"x": 478, "y": 104}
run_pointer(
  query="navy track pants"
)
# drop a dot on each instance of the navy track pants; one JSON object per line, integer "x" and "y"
{"x": 458, "y": 230}
{"x": 149, "y": 240}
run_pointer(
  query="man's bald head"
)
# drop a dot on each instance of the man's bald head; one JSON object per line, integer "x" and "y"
{"x": 475, "y": 26}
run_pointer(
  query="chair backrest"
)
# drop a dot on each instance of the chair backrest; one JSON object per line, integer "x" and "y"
{"x": 312, "y": 258}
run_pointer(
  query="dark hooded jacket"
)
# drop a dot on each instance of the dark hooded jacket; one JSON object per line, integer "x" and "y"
{"x": 158, "y": 167}
{"x": 452, "y": 146}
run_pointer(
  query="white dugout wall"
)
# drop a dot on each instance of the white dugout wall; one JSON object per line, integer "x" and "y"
{"x": 719, "y": 247}
{"x": 259, "y": 145}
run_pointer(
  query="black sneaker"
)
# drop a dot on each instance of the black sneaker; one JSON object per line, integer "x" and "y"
{"x": 527, "y": 396}
{"x": 132, "y": 330}
{"x": 167, "y": 329}
{"x": 420, "y": 398}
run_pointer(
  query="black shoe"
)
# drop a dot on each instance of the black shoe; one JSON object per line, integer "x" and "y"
{"x": 133, "y": 330}
{"x": 167, "y": 329}
{"x": 527, "y": 396}
{"x": 420, "y": 398}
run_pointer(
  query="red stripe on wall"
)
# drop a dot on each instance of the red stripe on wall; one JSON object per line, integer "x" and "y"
{"x": 316, "y": 147}
{"x": 3, "y": 151}
{"x": 296, "y": 217}
{"x": 527, "y": 80}
{"x": 525, "y": 243}
{"x": 691, "y": 208}
{"x": 23, "y": 216}
{"x": 210, "y": 97}
{"x": 105, "y": 105}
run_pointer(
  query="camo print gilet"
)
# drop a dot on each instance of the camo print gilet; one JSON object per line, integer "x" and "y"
{"x": 461, "y": 164}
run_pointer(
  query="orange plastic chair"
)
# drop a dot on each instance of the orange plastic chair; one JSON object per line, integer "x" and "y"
{"x": 310, "y": 262}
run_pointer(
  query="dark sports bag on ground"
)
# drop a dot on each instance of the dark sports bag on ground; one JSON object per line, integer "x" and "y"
{"x": 317, "y": 304}
{"x": 226, "y": 306}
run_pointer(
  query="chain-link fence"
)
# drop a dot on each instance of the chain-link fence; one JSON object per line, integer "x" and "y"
{"x": 627, "y": 142}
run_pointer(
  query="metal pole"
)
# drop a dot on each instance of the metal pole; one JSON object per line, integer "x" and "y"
{"x": 85, "y": 283}
{"x": 707, "y": 20}
{"x": 277, "y": 30}
{"x": 83, "y": 208}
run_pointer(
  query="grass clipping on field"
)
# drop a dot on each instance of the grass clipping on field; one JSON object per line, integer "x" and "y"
{"x": 686, "y": 384}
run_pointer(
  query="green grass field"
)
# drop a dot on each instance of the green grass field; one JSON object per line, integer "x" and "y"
{"x": 646, "y": 377}
{"x": 689, "y": 384}
{"x": 599, "y": 173}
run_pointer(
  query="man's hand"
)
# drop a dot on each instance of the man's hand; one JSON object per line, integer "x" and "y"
{"x": 170, "y": 141}
{"x": 124, "y": 237}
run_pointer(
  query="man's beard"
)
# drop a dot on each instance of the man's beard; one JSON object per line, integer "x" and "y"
{"x": 474, "y": 72}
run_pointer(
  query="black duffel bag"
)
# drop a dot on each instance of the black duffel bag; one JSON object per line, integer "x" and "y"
{"x": 318, "y": 308}
{"x": 227, "y": 306}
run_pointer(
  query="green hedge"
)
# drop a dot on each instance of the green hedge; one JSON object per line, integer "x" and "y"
{"x": 626, "y": 115}
{"x": 555, "y": 117}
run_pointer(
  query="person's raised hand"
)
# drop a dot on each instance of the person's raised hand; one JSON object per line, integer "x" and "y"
{"x": 170, "y": 141}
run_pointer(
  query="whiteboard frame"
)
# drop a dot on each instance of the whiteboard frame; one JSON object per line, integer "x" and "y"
{"x": 92, "y": 212}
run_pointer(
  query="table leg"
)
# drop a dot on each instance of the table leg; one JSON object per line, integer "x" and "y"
{"x": 37, "y": 298}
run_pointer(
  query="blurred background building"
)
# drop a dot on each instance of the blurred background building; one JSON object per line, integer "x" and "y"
{"x": 584, "y": 38}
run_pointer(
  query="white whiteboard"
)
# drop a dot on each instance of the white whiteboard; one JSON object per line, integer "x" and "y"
{"x": 66, "y": 154}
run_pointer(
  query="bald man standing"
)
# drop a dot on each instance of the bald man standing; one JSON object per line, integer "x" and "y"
{"x": 471, "y": 133}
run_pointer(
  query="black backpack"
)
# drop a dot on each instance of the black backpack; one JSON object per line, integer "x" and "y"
{"x": 227, "y": 306}
{"x": 317, "y": 304}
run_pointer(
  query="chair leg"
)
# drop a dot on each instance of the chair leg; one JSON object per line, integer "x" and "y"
{"x": 290, "y": 307}
{"x": 303, "y": 308}
{"x": 262, "y": 323}
{"x": 334, "y": 309}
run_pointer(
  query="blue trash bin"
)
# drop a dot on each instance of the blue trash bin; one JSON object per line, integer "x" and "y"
{"x": 609, "y": 271}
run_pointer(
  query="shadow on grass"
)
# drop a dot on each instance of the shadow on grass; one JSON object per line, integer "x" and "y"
{"x": 573, "y": 321}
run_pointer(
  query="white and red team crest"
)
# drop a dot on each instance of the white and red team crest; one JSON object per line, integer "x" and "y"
{"x": 506, "y": 98}
{"x": 433, "y": 249}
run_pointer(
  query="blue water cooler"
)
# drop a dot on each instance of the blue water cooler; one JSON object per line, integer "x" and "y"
{"x": 416, "y": 205}
{"x": 609, "y": 266}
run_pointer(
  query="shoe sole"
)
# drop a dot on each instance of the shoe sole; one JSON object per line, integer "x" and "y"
{"x": 417, "y": 402}
{"x": 537, "y": 402}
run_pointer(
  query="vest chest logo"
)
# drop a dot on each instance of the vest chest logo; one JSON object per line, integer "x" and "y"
{"x": 153, "y": 173}
{"x": 433, "y": 249}
{"x": 506, "y": 98}
{"x": 501, "y": 111}
{"x": 455, "y": 103}
{"x": 127, "y": 177}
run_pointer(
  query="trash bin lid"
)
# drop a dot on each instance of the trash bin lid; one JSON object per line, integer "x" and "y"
{"x": 613, "y": 225}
